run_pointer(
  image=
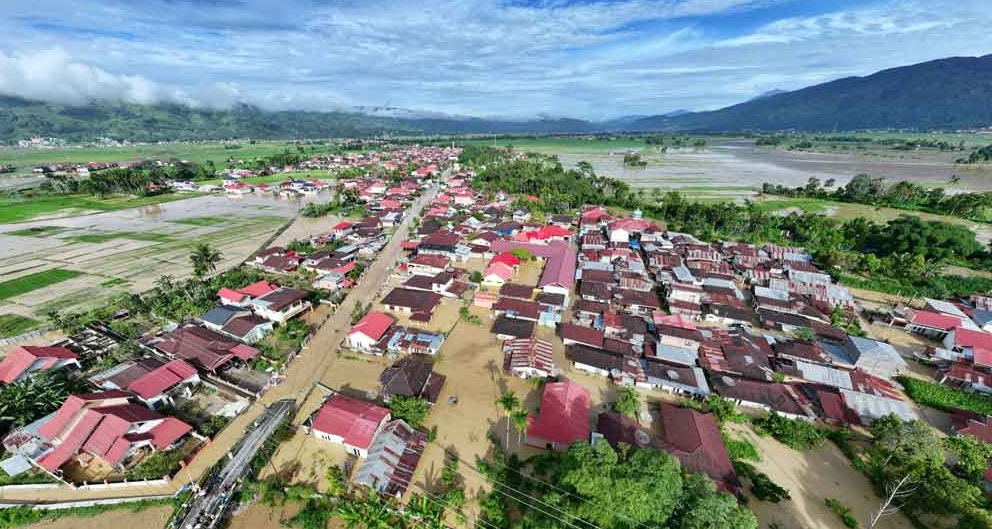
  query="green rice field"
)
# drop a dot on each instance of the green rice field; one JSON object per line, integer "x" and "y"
{"x": 22, "y": 209}
{"x": 25, "y": 284}
{"x": 16, "y": 325}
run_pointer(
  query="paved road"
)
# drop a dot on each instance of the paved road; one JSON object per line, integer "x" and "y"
{"x": 308, "y": 368}
{"x": 210, "y": 502}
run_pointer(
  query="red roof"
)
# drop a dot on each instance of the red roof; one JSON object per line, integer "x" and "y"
{"x": 582, "y": 334}
{"x": 161, "y": 379}
{"x": 98, "y": 423}
{"x": 674, "y": 320}
{"x": 343, "y": 225}
{"x": 30, "y": 358}
{"x": 258, "y": 289}
{"x": 934, "y": 320}
{"x": 969, "y": 338}
{"x": 229, "y": 294}
{"x": 501, "y": 270}
{"x": 168, "y": 432}
{"x": 564, "y": 414}
{"x": 506, "y": 258}
{"x": 694, "y": 439}
{"x": 373, "y": 325}
{"x": 356, "y": 421}
{"x": 437, "y": 261}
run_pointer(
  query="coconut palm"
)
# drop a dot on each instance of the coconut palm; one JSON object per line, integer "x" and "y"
{"x": 509, "y": 401}
{"x": 204, "y": 259}
{"x": 519, "y": 418}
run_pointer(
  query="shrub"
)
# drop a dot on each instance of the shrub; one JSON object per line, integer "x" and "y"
{"x": 410, "y": 409}
{"x": 943, "y": 397}
{"x": 843, "y": 511}
{"x": 741, "y": 449}
{"x": 796, "y": 434}
{"x": 762, "y": 486}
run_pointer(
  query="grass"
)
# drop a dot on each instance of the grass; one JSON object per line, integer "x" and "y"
{"x": 97, "y": 238}
{"x": 22, "y": 209}
{"x": 945, "y": 398}
{"x": 114, "y": 281}
{"x": 200, "y": 152}
{"x": 25, "y": 284}
{"x": 38, "y": 231}
{"x": 275, "y": 178}
{"x": 16, "y": 325}
{"x": 202, "y": 221}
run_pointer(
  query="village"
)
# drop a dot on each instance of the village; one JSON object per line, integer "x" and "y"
{"x": 446, "y": 322}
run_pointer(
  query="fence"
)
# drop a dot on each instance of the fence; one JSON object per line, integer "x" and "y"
{"x": 22, "y": 337}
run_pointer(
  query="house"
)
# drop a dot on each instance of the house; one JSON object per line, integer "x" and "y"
{"x": 248, "y": 328}
{"x": 977, "y": 344}
{"x": 572, "y": 334}
{"x": 496, "y": 274}
{"x": 242, "y": 297}
{"x": 365, "y": 334}
{"x": 154, "y": 382}
{"x": 516, "y": 291}
{"x": 527, "y": 358}
{"x": 620, "y": 430}
{"x": 103, "y": 426}
{"x": 694, "y": 439}
{"x": 403, "y": 340}
{"x": 873, "y": 356}
{"x": 930, "y": 324}
{"x": 594, "y": 361}
{"x": 870, "y": 407}
{"x": 678, "y": 379}
{"x": 24, "y": 361}
{"x": 563, "y": 417}
{"x": 203, "y": 348}
{"x": 519, "y": 309}
{"x": 965, "y": 422}
{"x": 410, "y": 377}
{"x": 215, "y": 318}
{"x": 281, "y": 304}
{"x": 768, "y": 396}
{"x": 417, "y": 304}
{"x": 350, "y": 422}
{"x": 427, "y": 265}
{"x": 440, "y": 243}
{"x": 558, "y": 276}
{"x": 392, "y": 459}
{"x": 506, "y": 328}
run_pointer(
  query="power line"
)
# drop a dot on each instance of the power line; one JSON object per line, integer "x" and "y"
{"x": 501, "y": 485}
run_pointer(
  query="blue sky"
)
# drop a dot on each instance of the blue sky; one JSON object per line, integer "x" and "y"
{"x": 591, "y": 59}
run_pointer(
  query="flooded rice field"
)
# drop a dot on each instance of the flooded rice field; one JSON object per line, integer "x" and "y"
{"x": 126, "y": 250}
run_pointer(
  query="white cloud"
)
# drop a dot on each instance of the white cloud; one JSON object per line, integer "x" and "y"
{"x": 487, "y": 57}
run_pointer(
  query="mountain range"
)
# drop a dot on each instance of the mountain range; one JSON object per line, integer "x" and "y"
{"x": 950, "y": 93}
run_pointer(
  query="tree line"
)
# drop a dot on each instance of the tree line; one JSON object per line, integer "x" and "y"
{"x": 908, "y": 254}
{"x": 865, "y": 189}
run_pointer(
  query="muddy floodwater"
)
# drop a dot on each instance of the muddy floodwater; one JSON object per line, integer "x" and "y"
{"x": 731, "y": 167}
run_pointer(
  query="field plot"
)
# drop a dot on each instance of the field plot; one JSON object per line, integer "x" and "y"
{"x": 35, "y": 281}
{"x": 23, "y": 209}
{"x": 77, "y": 262}
{"x": 734, "y": 168}
{"x": 199, "y": 152}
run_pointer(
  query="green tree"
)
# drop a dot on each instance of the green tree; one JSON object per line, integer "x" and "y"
{"x": 641, "y": 487}
{"x": 972, "y": 456}
{"x": 716, "y": 511}
{"x": 204, "y": 259}
{"x": 628, "y": 402}
{"x": 509, "y": 401}
{"x": 519, "y": 420}
{"x": 523, "y": 254}
{"x": 411, "y": 409}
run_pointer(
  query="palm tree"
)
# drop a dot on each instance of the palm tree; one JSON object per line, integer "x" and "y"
{"x": 509, "y": 401}
{"x": 519, "y": 418}
{"x": 165, "y": 283}
{"x": 204, "y": 259}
